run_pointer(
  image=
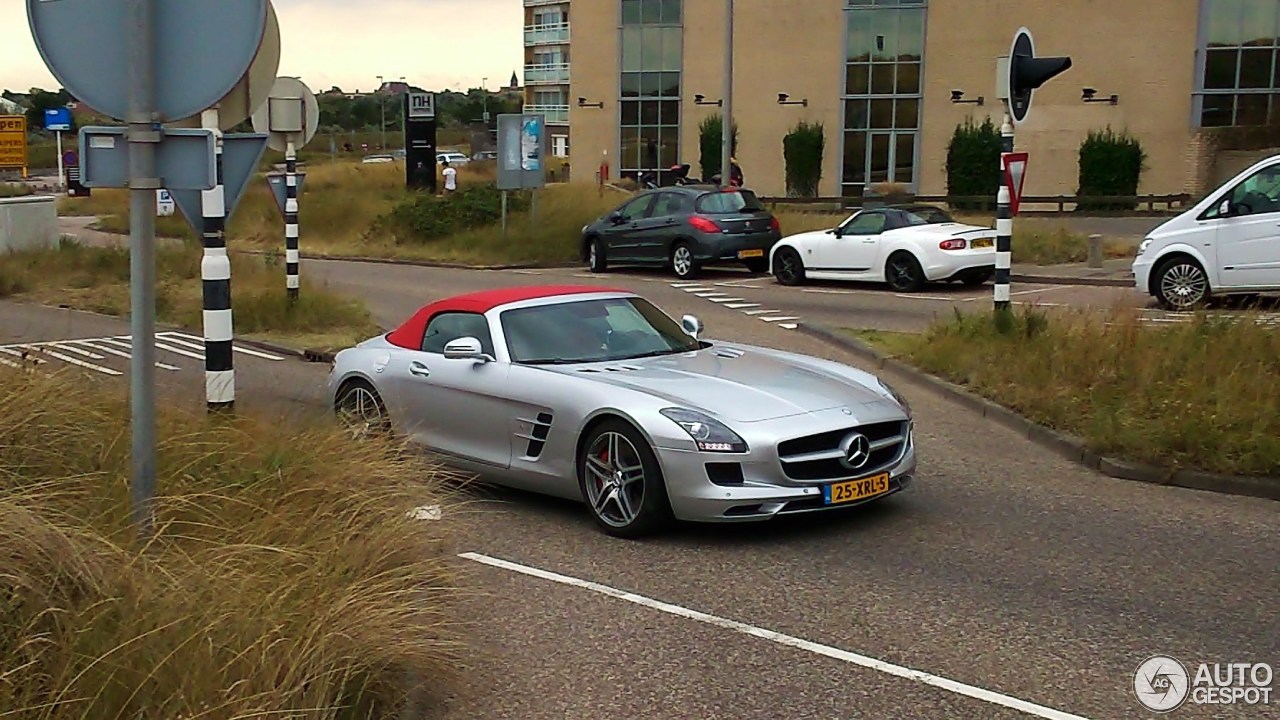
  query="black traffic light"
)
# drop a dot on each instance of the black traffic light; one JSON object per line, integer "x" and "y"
{"x": 1028, "y": 72}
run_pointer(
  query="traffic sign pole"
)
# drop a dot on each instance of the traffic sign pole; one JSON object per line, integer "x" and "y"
{"x": 291, "y": 259}
{"x": 62, "y": 174}
{"x": 215, "y": 276}
{"x": 142, "y": 137}
{"x": 1004, "y": 221}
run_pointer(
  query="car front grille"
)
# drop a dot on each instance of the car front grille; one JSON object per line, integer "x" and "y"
{"x": 818, "y": 457}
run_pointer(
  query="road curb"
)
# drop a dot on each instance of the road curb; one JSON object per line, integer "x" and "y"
{"x": 1032, "y": 279}
{"x": 1069, "y": 447}
{"x": 420, "y": 263}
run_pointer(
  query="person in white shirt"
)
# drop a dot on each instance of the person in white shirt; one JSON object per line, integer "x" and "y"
{"x": 450, "y": 178}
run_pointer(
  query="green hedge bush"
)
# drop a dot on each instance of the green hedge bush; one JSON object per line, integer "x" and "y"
{"x": 424, "y": 217}
{"x": 973, "y": 164}
{"x": 802, "y": 149}
{"x": 710, "y": 143}
{"x": 1111, "y": 165}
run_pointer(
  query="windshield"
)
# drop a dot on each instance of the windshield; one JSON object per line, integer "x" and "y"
{"x": 729, "y": 201}
{"x": 592, "y": 331}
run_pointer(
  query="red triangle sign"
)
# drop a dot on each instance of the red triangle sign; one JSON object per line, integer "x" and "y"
{"x": 1015, "y": 177}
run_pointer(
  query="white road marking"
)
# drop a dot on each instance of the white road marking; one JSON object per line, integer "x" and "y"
{"x": 74, "y": 361}
{"x": 758, "y": 312}
{"x": 739, "y": 306}
{"x": 123, "y": 354}
{"x": 695, "y": 289}
{"x": 174, "y": 337}
{"x": 726, "y": 300}
{"x": 159, "y": 346}
{"x": 788, "y": 326}
{"x": 682, "y": 285}
{"x": 708, "y": 294}
{"x": 934, "y": 298}
{"x": 828, "y": 651}
{"x": 779, "y": 319}
{"x": 740, "y": 283}
{"x": 28, "y": 356}
{"x": 7, "y": 363}
{"x": 79, "y": 351}
{"x": 1032, "y": 292}
{"x": 826, "y": 291}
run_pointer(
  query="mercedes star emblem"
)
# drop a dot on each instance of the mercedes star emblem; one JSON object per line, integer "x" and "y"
{"x": 856, "y": 449}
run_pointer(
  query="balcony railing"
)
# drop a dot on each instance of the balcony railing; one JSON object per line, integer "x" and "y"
{"x": 546, "y": 34}
{"x": 536, "y": 3}
{"x": 553, "y": 113}
{"x": 546, "y": 74}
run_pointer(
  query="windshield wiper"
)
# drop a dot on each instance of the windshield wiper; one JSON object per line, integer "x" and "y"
{"x": 656, "y": 353}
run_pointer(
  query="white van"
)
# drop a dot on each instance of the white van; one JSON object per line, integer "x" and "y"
{"x": 1228, "y": 243}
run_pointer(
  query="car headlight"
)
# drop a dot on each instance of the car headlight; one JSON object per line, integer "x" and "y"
{"x": 710, "y": 434}
{"x": 897, "y": 396}
{"x": 1143, "y": 247}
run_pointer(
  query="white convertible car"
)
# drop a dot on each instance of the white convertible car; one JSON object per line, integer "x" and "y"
{"x": 905, "y": 246}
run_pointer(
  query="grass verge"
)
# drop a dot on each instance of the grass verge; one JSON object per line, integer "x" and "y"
{"x": 1203, "y": 395}
{"x": 97, "y": 279}
{"x": 285, "y": 578}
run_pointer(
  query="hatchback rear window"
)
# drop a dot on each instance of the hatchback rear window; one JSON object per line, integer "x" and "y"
{"x": 729, "y": 201}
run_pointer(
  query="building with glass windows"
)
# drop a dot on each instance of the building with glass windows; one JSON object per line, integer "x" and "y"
{"x": 546, "y": 68}
{"x": 1196, "y": 81}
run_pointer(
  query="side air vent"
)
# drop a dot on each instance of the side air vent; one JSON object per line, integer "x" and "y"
{"x": 729, "y": 353}
{"x": 611, "y": 368}
{"x": 537, "y": 437}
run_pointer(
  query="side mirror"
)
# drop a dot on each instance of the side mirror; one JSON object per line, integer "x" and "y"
{"x": 1225, "y": 208}
{"x": 466, "y": 348}
{"x": 616, "y": 218}
{"x": 837, "y": 231}
{"x": 692, "y": 325}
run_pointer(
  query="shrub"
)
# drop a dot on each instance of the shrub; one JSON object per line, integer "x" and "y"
{"x": 286, "y": 577}
{"x": 973, "y": 164}
{"x": 710, "y": 144}
{"x": 425, "y": 217}
{"x": 1110, "y": 166}
{"x": 802, "y": 149}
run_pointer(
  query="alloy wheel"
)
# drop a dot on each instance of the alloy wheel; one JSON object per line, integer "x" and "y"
{"x": 1183, "y": 285}
{"x": 615, "y": 479}
{"x": 361, "y": 411}
{"x": 788, "y": 270}
{"x": 682, "y": 260}
{"x": 902, "y": 273}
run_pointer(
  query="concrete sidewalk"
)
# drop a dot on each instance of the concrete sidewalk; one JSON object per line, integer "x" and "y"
{"x": 1115, "y": 272}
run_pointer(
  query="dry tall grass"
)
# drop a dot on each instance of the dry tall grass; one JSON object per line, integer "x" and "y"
{"x": 286, "y": 578}
{"x": 1203, "y": 395}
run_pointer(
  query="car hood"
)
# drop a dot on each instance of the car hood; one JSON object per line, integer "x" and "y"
{"x": 732, "y": 383}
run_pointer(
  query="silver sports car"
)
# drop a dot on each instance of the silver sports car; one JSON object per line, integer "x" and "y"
{"x": 595, "y": 394}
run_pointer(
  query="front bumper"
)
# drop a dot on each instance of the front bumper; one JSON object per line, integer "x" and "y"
{"x": 753, "y": 486}
{"x": 1142, "y": 273}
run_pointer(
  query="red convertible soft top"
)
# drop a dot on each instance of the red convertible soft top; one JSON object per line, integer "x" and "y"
{"x": 409, "y": 334}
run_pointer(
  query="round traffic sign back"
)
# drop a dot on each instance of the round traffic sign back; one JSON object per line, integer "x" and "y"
{"x": 201, "y": 50}
{"x": 1019, "y": 97}
{"x": 289, "y": 88}
{"x": 253, "y": 88}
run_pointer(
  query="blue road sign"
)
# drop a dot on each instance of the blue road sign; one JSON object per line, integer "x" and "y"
{"x": 58, "y": 119}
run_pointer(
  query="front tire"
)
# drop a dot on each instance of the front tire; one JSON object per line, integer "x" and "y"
{"x": 903, "y": 272}
{"x": 596, "y": 260}
{"x": 622, "y": 482}
{"x": 360, "y": 409}
{"x": 683, "y": 262}
{"x": 788, "y": 267}
{"x": 1181, "y": 284}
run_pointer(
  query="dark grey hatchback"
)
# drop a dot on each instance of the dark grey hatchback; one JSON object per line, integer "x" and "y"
{"x": 684, "y": 227}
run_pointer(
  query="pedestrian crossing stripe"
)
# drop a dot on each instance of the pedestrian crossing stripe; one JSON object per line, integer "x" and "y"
{"x": 91, "y": 353}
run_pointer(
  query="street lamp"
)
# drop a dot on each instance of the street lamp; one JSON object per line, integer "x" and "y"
{"x": 382, "y": 106}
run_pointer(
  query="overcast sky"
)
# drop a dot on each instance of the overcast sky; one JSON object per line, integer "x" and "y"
{"x": 435, "y": 44}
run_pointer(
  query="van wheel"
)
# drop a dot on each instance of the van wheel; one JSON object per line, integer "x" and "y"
{"x": 1181, "y": 284}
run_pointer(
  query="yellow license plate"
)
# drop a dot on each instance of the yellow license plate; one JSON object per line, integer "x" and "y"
{"x": 851, "y": 490}
{"x": 750, "y": 253}
{"x": 983, "y": 243}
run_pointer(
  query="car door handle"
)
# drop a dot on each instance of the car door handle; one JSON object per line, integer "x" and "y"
{"x": 417, "y": 368}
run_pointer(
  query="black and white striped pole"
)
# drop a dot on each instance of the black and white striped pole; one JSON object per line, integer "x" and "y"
{"x": 1017, "y": 78}
{"x": 215, "y": 277}
{"x": 1004, "y": 220}
{"x": 291, "y": 260}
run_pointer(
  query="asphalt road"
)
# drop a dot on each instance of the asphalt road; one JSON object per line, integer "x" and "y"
{"x": 1005, "y": 576}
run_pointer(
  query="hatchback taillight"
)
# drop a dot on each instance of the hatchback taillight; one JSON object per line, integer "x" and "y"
{"x": 952, "y": 244}
{"x": 706, "y": 225}
{"x": 774, "y": 224}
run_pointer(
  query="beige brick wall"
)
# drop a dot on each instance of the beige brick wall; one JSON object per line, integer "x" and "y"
{"x": 1143, "y": 51}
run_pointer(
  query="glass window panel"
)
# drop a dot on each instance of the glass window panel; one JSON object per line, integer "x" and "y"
{"x": 904, "y": 158}
{"x": 630, "y": 12}
{"x": 630, "y": 147}
{"x": 1251, "y": 110}
{"x": 855, "y": 114}
{"x": 669, "y": 112}
{"x": 1255, "y": 68}
{"x": 668, "y": 146}
{"x": 648, "y": 148}
{"x": 1258, "y": 24}
{"x": 630, "y": 112}
{"x": 861, "y": 38}
{"x": 855, "y": 157}
{"x": 630, "y": 84}
{"x": 671, "y": 14}
{"x": 670, "y": 84}
{"x": 911, "y": 35}
{"x": 879, "y": 158}
{"x": 1275, "y": 110}
{"x": 857, "y": 79}
{"x": 650, "y": 84}
{"x": 650, "y": 12}
{"x": 1224, "y": 22}
{"x": 909, "y": 79}
{"x": 648, "y": 112}
{"x": 884, "y": 32}
{"x": 907, "y": 114}
{"x": 882, "y": 79}
{"x": 631, "y": 59}
{"x": 1217, "y": 111}
{"x": 651, "y": 49}
{"x": 1220, "y": 69}
{"x": 882, "y": 114}
{"x": 671, "y": 48}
